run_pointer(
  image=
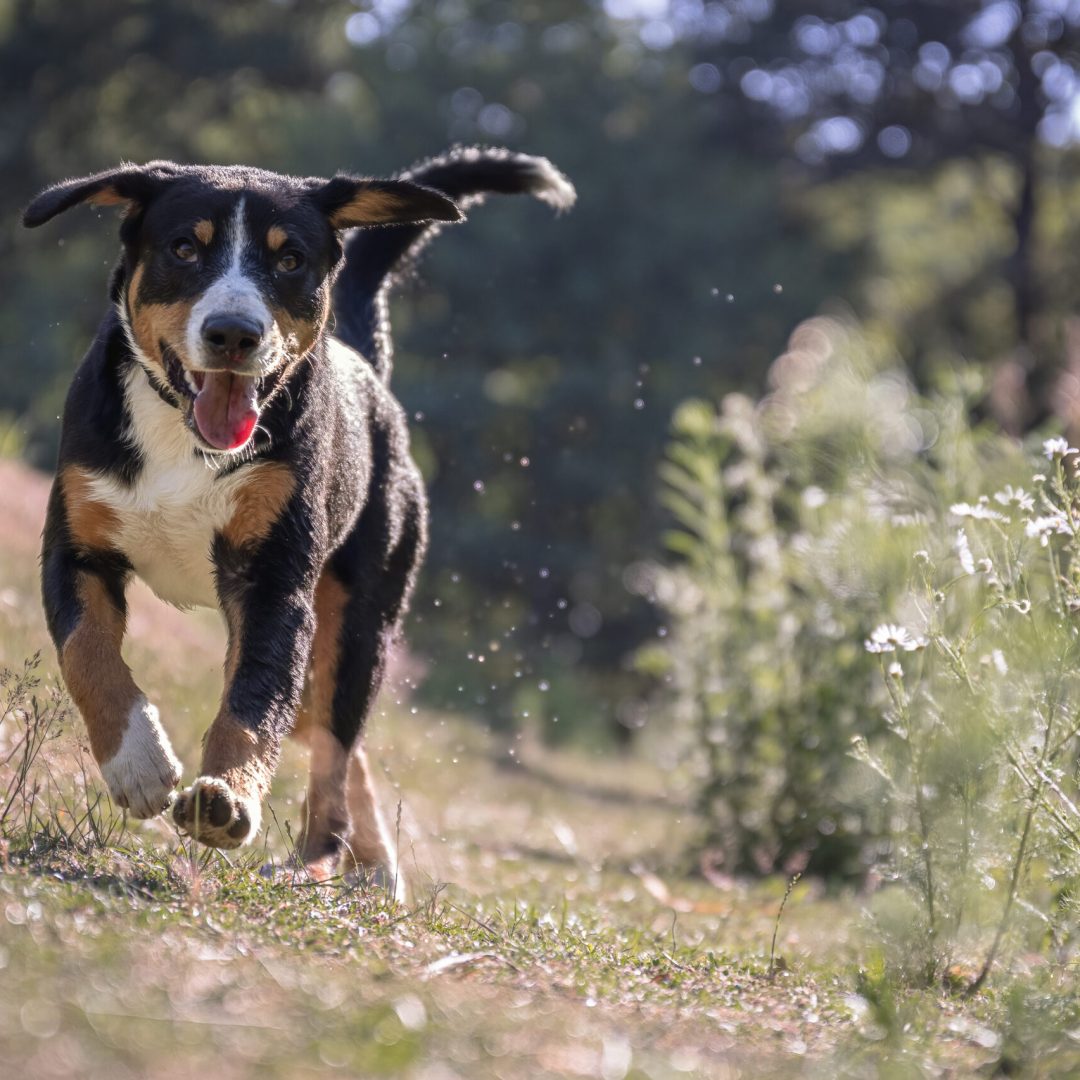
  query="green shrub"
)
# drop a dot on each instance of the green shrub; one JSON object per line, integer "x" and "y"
{"x": 871, "y": 648}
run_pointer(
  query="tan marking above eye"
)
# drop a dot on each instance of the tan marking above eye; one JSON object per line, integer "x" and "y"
{"x": 204, "y": 231}
{"x": 276, "y": 237}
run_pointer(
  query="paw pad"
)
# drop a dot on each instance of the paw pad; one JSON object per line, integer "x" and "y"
{"x": 215, "y": 815}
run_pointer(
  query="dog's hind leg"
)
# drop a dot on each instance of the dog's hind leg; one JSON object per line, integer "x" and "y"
{"x": 326, "y": 813}
{"x": 360, "y": 601}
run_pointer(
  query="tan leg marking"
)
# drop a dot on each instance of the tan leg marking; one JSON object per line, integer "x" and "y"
{"x": 259, "y": 503}
{"x": 126, "y": 737}
{"x": 343, "y": 830}
{"x": 97, "y": 678}
{"x": 326, "y": 814}
{"x": 92, "y": 524}
{"x": 370, "y": 848}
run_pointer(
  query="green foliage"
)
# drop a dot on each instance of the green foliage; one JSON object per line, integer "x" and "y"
{"x": 791, "y": 541}
{"x": 873, "y": 654}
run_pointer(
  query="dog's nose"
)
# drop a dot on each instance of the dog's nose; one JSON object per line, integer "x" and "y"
{"x": 231, "y": 337}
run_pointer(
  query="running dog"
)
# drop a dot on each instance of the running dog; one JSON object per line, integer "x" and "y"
{"x": 222, "y": 444}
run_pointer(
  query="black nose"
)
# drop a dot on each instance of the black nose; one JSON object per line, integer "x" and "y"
{"x": 231, "y": 337}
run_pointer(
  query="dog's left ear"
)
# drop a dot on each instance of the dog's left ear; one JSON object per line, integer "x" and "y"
{"x": 127, "y": 186}
{"x": 350, "y": 202}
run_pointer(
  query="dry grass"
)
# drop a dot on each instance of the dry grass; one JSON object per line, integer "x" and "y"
{"x": 550, "y": 932}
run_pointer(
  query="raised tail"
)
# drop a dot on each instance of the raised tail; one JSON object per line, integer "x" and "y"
{"x": 376, "y": 258}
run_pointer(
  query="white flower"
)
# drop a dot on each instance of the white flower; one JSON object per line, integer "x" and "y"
{"x": 814, "y": 497}
{"x": 889, "y": 638}
{"x": 1045, "y": 527}
{"x": 922, "y": 556}
{"x": 1058, "y": 448}
{"x": 963, "y": 551}
{"x": 979, "y": 510}
{"x": 895, "y": 671}
{"x": 1010, "y": 496}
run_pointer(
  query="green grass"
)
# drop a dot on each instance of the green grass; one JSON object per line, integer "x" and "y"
{"x": 552, "y": 929}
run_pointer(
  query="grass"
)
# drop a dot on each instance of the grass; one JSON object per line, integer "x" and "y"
{"x": 552, "y": 929}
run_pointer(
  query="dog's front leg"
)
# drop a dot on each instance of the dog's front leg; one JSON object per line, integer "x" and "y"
{"x": 267, "y": 596}
{"x": 83, "y": 583}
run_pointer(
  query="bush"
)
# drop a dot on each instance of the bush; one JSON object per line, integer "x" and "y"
{"x": 871, "y": 648}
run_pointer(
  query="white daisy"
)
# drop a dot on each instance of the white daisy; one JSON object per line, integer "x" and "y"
{"x": 1058, "y": 448}
{"x": 1010, "y": 496}
{"x": 889, "y": 637}
{"x": 979, "y": 510}
{"x": 1045, "y": 527}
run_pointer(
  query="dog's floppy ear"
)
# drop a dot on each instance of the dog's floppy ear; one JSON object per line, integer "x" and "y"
{"x": 351, "y": 201}
{"x": 127, "y": 185}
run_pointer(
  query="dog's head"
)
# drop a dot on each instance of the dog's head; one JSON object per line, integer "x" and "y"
{"x": 227, "y": 272}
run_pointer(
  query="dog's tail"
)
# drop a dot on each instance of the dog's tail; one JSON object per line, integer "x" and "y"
{"x": 375, "y": 259}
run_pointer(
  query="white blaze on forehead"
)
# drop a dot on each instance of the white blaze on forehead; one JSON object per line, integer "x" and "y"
{"x": 233, "y": 293}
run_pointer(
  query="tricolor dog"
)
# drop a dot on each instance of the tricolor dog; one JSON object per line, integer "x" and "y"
{"x": 222, "y": 444}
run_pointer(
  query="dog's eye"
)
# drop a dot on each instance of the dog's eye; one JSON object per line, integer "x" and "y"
{"x": 185, "y": 250}
{"x": 290, "y": 261}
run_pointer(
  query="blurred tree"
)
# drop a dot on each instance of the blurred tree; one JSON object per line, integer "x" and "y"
{"x": 845, "y": 86}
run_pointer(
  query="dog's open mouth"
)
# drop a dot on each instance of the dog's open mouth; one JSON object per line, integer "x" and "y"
{"x": 226, "y": 405}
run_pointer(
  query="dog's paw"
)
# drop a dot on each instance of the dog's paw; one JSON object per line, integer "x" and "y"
{"x": 215, "y": 815}
{"x": 142, "y": 774}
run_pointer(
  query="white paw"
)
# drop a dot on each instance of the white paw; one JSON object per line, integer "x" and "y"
{"x": 143, "y": 773}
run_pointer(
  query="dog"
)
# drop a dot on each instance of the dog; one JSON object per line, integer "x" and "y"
{"x": 222, "y": 444}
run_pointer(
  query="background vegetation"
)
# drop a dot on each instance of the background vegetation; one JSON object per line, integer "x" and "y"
{"x": 758, "y": 464}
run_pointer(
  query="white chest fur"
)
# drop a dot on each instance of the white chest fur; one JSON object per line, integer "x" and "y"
{"x": 168, "y": 517}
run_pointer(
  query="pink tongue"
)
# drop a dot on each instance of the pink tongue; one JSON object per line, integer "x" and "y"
{"x": 226, "y": 409}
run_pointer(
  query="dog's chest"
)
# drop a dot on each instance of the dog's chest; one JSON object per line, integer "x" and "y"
{"x": 166, "y": 523}
{"x": 166, "y": 520}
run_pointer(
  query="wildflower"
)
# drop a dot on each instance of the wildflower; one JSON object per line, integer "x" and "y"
{"x": 1010, "y": 496}
{"x": 922, "y": 556}
{"x": 1023, "y": 606}
{"x": 963, "y": 551}
{"x": 889, "y": 638}
{"x": 1058, "y": 448}
{"x": 895, "y": 670}
{"x": 1047, "y": 526}
{"x": 814, "y": 497}
{"x": 979, "y": 510}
